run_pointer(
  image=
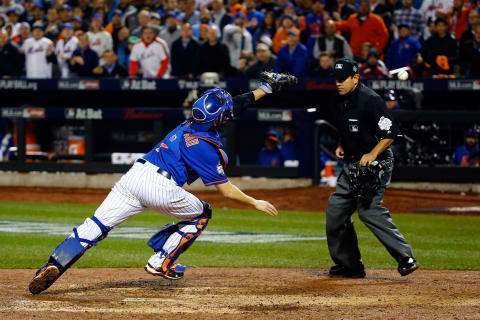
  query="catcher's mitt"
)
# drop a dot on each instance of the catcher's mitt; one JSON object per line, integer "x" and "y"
{"x": 272, "y": 81}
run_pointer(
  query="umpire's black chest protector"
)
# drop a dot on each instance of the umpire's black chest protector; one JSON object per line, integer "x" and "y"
{"x": 359, "y": 115}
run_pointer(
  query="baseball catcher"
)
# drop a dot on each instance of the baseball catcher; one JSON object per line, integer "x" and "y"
{"x": 192, "y": 150}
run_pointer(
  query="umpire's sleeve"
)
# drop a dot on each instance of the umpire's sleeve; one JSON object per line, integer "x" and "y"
{"x": 384, "y": 123}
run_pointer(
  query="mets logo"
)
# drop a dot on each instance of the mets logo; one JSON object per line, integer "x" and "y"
{"x": 189, "y": 140}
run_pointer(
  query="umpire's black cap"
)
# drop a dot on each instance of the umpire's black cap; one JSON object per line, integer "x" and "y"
{"x": 345, "y": 68}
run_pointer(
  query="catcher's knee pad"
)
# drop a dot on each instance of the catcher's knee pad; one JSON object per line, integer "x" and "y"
{"x": 174, "y": 238}
{"x": 72, "y": 248}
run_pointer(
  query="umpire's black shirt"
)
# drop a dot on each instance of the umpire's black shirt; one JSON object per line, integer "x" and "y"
{"x": 363, "y": 120}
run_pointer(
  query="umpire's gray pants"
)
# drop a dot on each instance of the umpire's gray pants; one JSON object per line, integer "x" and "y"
{"x": 341, "y": 236}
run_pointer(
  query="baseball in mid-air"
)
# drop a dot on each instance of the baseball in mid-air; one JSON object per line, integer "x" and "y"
{"x": 402, "y": 75}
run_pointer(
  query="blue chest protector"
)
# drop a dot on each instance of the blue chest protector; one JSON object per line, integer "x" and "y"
{"x": 188, "y": 154}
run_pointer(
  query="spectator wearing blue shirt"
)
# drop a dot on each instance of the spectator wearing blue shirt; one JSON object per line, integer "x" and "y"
{"x": 391, "y": 100}
{"x": 111, "y": 68}
{"x": 292, "y": 57}
{"x": 190, "y": 15}
{"x": 271, "y": 155}
{"x": 205, "y": 19}
{"x": 403, "y": 50}
{"x": 411, "y": 16}
{"x": 290, "y": 144}
{"x": 84, "y": 59}
{"x": 468, "y": 153}
{"x": 315, "y": 22}
{"x": 254, "y": 17}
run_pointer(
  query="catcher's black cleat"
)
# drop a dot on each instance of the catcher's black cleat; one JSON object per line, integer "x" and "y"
{"x": 174, "y": 273}
{"x": 44, "y": 278}
{"x": 407, "y": 265}
{"x": 343, "y": 272}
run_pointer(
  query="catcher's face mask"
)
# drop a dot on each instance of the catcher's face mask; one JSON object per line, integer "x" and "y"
{"x": 213, "y": 108}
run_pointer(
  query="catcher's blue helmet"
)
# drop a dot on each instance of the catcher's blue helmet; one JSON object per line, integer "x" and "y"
{"x": 215, "y": 103}
{"x": 390, "y": 95}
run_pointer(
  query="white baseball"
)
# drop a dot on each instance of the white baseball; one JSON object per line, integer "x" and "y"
{"x": 402, "y": 75}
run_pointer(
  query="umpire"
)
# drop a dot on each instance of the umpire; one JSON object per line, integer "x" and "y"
{"x": 366, "y": 130}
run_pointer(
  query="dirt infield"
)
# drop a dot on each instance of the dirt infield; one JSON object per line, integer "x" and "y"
{"x": 227, "y": 293}
{"x": 208, "y": 293}
{"x": 301, "y": 199}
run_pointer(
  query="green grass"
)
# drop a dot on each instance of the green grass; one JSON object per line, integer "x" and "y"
{"x": 439, "y": 242}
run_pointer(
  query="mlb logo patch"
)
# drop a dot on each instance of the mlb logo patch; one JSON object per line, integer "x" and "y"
{"x": 353, "y": 127}
{"x": 339, "y": 66}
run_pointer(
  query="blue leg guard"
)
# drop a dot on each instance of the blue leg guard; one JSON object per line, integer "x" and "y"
{"x": 71, "y": 249}
{"x": 64, "y": 256}
{"x": 173, "y": 239}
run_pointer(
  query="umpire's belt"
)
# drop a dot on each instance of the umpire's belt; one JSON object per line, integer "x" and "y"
{"x": 161, "y": 171}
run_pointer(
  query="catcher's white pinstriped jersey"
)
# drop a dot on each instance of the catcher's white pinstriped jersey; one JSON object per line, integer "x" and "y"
{"x": 142, "y": 188}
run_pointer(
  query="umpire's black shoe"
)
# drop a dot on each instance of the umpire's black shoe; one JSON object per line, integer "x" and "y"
{"x": 344, "y": 272}
{"x": 407, "y": 265}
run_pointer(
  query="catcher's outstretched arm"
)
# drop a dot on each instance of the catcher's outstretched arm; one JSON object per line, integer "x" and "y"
{"x": 244, "y": 101}
{"x": 271, "y": 82}
{"x": 231, "y": 191}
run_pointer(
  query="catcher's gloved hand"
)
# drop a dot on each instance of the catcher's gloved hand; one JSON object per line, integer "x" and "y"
{"x": 272, "y": 82}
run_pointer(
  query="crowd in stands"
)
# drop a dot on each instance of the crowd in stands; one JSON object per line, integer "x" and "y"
{"x": 235, "y": 38}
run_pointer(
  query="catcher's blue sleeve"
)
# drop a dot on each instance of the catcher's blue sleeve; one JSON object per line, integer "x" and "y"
{"x": 204, "y": 159}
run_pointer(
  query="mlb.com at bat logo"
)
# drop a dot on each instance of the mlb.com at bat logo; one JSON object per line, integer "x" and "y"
{"x": 80, "y": 113}
{"x": 38, "y": 113}
{"x": 89, "y": 85}
{"x": 139, "y": 85}
{"x": 459, "y": 85}
{"x": 184, "y": 84}
{"x": 78, "y": 85}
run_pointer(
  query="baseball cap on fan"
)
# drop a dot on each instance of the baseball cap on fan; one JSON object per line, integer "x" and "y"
{"x": 345, "y": 68}
{"x": 292, "y": 32}
{"x": 118, "y": 12}
{"x": 271, "y": 135}
{"x": 38, "y": 25}
{"x": 67, "y": 25}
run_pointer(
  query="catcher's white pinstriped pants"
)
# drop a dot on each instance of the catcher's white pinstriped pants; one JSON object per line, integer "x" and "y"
{"x": 142, "y": 188}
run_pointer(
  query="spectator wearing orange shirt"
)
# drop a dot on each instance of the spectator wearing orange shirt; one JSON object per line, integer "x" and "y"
{"x": 457, "y": 18}
{"x": 364, "y": 26}
{"x": 280, "y": 38}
